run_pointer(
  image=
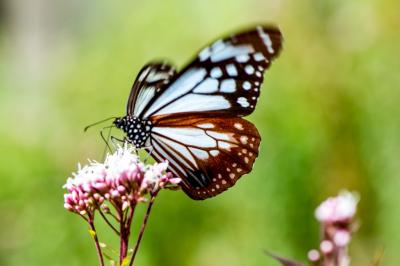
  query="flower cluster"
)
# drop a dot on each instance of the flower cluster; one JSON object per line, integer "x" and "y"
{"x": 122, "y": 180}
{"x": 114, "y": 188}
{"x": 336, "y": 216}
{"x": 340, "y": 209}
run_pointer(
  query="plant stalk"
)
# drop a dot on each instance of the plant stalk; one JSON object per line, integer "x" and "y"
{"x": 143, "y": 227}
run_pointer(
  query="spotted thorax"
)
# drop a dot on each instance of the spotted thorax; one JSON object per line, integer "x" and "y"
{"x": 137, "y": 130}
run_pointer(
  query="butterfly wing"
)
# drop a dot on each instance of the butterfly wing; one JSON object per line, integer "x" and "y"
{"x": 224, "y": 79}
{"x": 196, "y": 114}
{"x": 209, "y": 154}
{"x": 150, "y": 81}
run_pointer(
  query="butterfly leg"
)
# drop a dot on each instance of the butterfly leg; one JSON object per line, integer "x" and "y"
{"x": 149, "y": 150}
{"x": 116, "y": 141}
{"x": 105, "y": 139}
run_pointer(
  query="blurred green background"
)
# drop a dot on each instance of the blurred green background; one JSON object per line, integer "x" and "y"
{"x": 328, "y": 115}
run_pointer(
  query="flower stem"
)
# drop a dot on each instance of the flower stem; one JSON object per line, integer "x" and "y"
{"x": 108, "y": 222}
{"x": 96, "y": 242}
{"x": 146, "y": 217}
{"x": 130, "y": 218}
{"x": 124, "y": 237}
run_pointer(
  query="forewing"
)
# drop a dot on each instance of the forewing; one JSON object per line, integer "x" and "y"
{"x": 225, "y": 78}
{"x": 208, "y": 154}
{"x": 150, "y": 81}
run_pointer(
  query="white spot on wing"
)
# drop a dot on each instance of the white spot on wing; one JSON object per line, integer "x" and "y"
{"x": 217, "y": 46}
{"x": 231, "y": 69}
{"x": 242, "y": 58}
{"x": 238, "y": 126}
{"x": 228, "y": 85}
{"x": 258, "y": 57}
{"x": 243, "y": 102}
{"x": 266, "y": 39}
{"x": 246, "y": 85}
{"x": 219, "y": 136}
{"x": 206, "y": 125}
{"x": 200, "y": 154}
{"x": 207, "y": 86}
{"x": 214, "y": 153}
{"x": 224, "y": 145}
{"x": 205, "y": 54}
{"x": 231, "y": 51}
{"x": 249, "y": 69}
{"x": 216, "y": 72}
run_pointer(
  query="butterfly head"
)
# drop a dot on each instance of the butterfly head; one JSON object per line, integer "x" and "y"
{"x": 120, "y": 122}
{"x": 137, "y": 130}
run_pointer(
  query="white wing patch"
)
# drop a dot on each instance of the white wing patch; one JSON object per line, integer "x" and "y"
{"x": 243, "y": 102}
{"x": 144, "y": 97}
{"x": 209, "y": 85}
{"x": 221, "y": 50}
{"x": 160, "y": 149}
{"x": 266, "y": 39}
{"x": 196, "y": 141}
{"x": 228, "y": 86}
{"x": 181, "y": 86}
{"x": 174, "y": 147}
{"x": 188, "y": 136}
{"x": 201, "y": 154}
{"x": 196, "y": 103}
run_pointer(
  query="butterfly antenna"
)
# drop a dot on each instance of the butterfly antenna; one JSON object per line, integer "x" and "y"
{"x": 98, "y": 122}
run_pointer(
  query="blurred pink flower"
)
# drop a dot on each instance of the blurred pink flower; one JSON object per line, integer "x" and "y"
{"x": 336, "y": 216}
{"x": 313, "y": 255}
{"x": 342, "y": 237}
{"x": 341, "y": 208}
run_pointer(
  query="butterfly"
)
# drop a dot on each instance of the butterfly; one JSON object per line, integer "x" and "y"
{"x": 193, "y": 118}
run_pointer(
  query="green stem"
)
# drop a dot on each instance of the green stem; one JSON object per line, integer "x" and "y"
{"x": 96, "y": 241}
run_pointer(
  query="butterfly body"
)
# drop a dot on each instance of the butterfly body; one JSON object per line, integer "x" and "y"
{"x": 137, "y": 130}
{"x": 193, "y": 118}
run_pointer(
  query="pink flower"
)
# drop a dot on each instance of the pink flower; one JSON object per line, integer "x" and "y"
{"x": 342, "y": 237}
{"x": 341, "y": 208}
{"x": 313, "y": 255}
{"x": 122, "y": 179}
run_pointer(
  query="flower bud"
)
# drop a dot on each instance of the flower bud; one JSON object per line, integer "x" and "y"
{"x": 342, "y": 238}
{"x": 326, "y": 247}
{"x": 313, "y": 255}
